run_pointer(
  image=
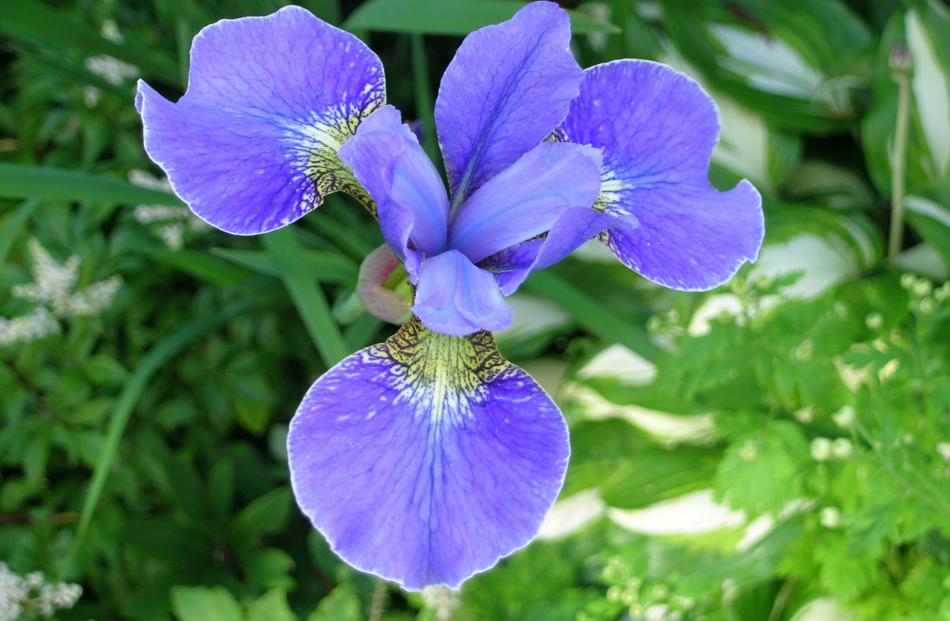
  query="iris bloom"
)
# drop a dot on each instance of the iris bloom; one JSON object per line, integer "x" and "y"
{"x": 426, "y": 458}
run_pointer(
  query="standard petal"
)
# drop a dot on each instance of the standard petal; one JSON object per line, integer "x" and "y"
{"x": 657, "y": 129}
{"x": 572, "y": 228}
{"x": 252, "y": 145}
{"x": 427, "y": 458}
{"x": 507, "y": 88}
{"x": 526, "y": 198}
{"x": 456, "y": 297}
{"x": 385, "y": 156}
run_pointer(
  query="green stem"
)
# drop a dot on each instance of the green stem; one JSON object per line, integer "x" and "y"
{"x": 896, "y": 238}
{"x": 423, "y": 94}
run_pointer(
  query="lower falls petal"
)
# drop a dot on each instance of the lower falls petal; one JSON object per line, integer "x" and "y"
{"x": 427, "y": 458}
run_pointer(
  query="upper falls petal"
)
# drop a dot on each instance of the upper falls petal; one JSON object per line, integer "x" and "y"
{"x": 427, "y": 458}
{"x": 508, "y": 87}
{"x": 657, "y": 129}
{"x": 252, "y": 144}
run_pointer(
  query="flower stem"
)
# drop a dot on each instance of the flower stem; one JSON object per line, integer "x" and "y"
{"x": 896, "y": 238}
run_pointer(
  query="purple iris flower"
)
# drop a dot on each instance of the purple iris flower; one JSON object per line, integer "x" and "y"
{"x": 427, "y": 458}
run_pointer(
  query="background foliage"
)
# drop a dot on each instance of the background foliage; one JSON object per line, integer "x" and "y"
{"x": 778, "y": 449}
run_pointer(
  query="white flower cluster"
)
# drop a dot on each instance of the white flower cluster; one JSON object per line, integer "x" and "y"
{"x": 38, "y": 324}
{"x": 32, "y": 593}
{"x": 51, "y": 289}
{"x": 174, "y": 221}
{"x": 111, "y": 69}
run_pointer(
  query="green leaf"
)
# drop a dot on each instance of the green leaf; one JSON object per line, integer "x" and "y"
{"x": 449, "y": 17}
{"x": 136, "y": 385}
{"x": 269, "y": 568}
{"x": 267, "y": 514}
{"x": 932, "y": 221}
{"x": 762, "y": 470}
{"x": 54, "y": 29}
{"x": 12, "y": 225}
{"x": 287, "y": 253}
{"x": 40, "y": 182}
{"x": 798, "y": 62}
{"x": 341, "y": 604}
{"x": 271, "y": 606}
{"x": 205, "y": 604}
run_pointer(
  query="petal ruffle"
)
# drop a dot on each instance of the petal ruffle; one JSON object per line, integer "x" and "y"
{"x": 508, "y": 87}
{"x": 252, "y": 145}
{"x": 657, "y": 129}
{"x": 525, "y": 199}
{"x": 456, "y": 297}
{"x": 427, "y": 458}
{"x": 385, "y": 156}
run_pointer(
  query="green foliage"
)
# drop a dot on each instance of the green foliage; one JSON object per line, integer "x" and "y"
{"x": 774, "y": 450}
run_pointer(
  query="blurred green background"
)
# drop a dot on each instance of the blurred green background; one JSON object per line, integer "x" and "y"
{"x": 777, "y": 449}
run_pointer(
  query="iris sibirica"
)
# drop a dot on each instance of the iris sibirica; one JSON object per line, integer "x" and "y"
{"x": 426, "y": 458}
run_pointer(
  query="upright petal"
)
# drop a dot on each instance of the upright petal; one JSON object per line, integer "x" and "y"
{"x": 427, "y": 458}
{"x": 385, "y": 156}
{"x": 508, "y": 87}
{"x": 657, "y": 129}
{"x": 526, "y": 198}
{"x": 455, "y": 297}
{"x": 252, "y": 145}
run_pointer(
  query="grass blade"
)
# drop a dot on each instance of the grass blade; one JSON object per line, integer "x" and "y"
{"x": 323, "y": 266}
{"x": 201, "y": 265}
{"x": 40, "y": 182}
{"x": 288, "y": 254}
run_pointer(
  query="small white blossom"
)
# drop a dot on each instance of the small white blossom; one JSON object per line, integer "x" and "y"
{"x": 91, "y": 96}
{"x": 172, "y": 235}
{"x": 844, "y": 417}
{"x": 147, "y": 214}
{"x": 145, "y": 180}
{"x": 922, "y": 288}
{"x": 821, "y": 449}
{"x": 805, "y": 415}
{"x": 944, "y": 449}
{"x": 111, "y": 69}
{"x": 830, "y": 517}
{"x": 110, "y": 31}
{"x": 841, "y": 448}
{"x": 874, "y": 321}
